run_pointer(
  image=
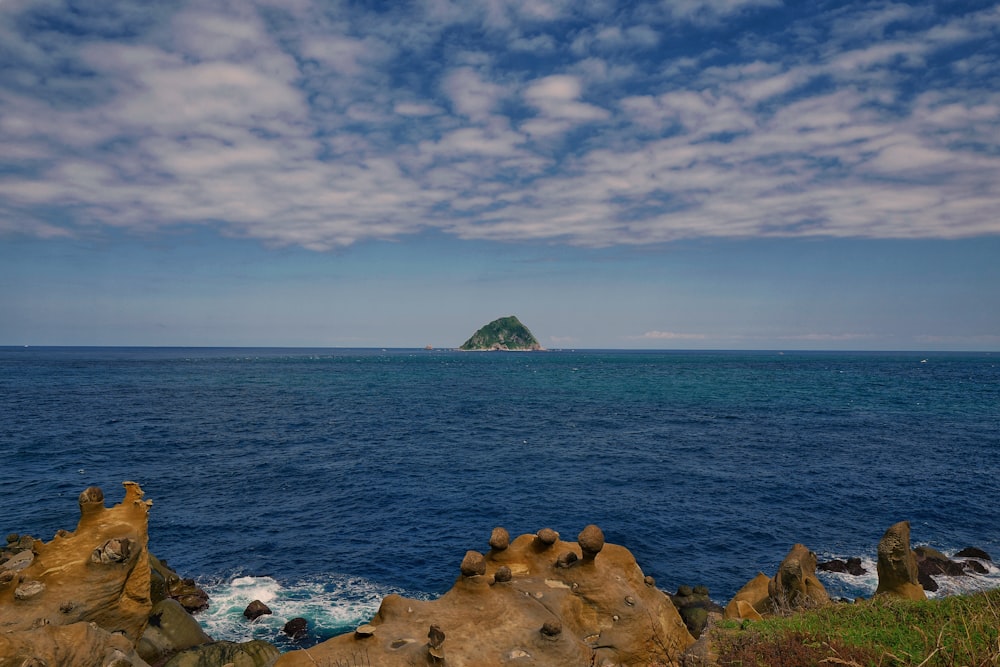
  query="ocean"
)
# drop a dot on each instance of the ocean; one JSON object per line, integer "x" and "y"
{"x": 320, "y": 480}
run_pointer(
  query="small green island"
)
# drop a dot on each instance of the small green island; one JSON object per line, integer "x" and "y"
{"x": 504, "y": 334}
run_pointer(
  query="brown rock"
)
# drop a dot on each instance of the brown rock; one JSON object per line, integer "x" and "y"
{"x": 75, "y": 644}
{"x": 473, "y": 564}
{"x": 547, "y": 537}
{"x": 502, "y": 575}
{"x": 170, "y": 629}
{"x": 795, "y": 585}
{"x": 254, "y": 653}
{"x": 897, "y": 565}
{"x": 967, "y": 552}
{"x": 754, "y": 595}
{"x": 606, "y": 611}
{"x": 551, "y": 628}
{"x": 255, "y": 610}
{"x": 591, "y": 541}
{"x": 499, "y": 539}
{"x": 296, "y": 628}
{"x": 113, "y": 593}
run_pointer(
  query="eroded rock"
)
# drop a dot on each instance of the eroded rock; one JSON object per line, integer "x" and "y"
{"x": 98, "y": 573}
{"x": 605, "y": 614}
{"x": 898, "y": 575}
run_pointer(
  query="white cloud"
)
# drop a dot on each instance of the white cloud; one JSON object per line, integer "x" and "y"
{"x": 335, "y": 125}
{"x": 472, "y": 95}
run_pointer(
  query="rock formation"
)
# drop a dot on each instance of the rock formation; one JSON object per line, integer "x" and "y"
{"x": 522, "y": 608}
{"x": 96, "y": 596}
{"x": 794, "y": 586}
{"x": 898, "y": 574}
{"x": 506, "y": 333}
{"x": 695, "y": 606}
{"x": 98, "y": 573}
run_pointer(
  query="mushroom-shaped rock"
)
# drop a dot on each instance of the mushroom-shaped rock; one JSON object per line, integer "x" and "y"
{"x": 255, "y": 610}
{"x": 591, "y": 540}
{"x": 91, "y": 497}
{"x": 795, "y": 585}
{"x": 365, "y": 630}
{"x": 473, "y": 564}
{"x": 898, "y": 575}
{"x": 551, "y": 628}
{"x": 499, "y": 539}
{"x": 435, "y": 636}
{"x": 567, "y": 559}
{"x": 502, "y": 575}
{"x": 546, "y": 537}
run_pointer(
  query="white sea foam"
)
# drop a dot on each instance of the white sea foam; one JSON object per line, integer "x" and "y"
{"x": 842, "y": 585}
{"x": 331, "y": 604}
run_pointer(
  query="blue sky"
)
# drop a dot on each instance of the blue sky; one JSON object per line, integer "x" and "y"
{"x": 683, "y": 174}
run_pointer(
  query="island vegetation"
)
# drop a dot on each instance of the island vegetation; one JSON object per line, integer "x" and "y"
{"x": 505, "y": 333}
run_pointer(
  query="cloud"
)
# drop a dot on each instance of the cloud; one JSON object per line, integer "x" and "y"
{"x": 514, "y": 121}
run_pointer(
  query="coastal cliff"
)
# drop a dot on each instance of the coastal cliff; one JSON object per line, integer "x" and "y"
{"x": 97, "y": 597}
{"x": 505, "y": 333}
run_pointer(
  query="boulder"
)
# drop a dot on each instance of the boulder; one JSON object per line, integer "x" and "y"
{"x": 499, "y": 539}
{"x": 165, "y": 583}
{"x": 897, "y": 565}
{"x": 751, "y": 601}
{"x": 298, "y": 627}
{"x": 170, "y": 629}
{"x": 254, "y": 653}
{"x": 598, "y": 611}
{"x": 851, "y": 566}
{"x": 695, "y": 607}
{"x": 255, "y": 610}
{"x": 72, "y": 644}
{"x": 973, "y": 552}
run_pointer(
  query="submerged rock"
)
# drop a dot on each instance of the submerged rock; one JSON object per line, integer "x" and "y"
{"x": 851, "y": 566}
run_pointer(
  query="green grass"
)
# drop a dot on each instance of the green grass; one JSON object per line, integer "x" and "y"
{"x": 958, "y": 631}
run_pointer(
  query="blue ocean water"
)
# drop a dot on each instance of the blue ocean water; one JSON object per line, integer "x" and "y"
{"x": 320, "y": 480}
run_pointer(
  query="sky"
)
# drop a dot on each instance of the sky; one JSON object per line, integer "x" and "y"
{"x": 696, "y": 174}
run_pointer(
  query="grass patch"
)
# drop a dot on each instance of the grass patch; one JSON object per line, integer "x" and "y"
{"x": 957, "y": 631}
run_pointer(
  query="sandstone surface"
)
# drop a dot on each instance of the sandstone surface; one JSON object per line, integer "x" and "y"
{"x": 596, "y": 610}
{"x": 794, "y": 586}
{"x": 99, "y": 573}
{"x": 898, "y": 575}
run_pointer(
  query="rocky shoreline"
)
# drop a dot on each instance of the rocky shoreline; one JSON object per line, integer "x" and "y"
{"x": 97, "y": 596}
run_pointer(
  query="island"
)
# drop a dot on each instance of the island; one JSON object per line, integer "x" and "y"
{"x": 505, "y": 333}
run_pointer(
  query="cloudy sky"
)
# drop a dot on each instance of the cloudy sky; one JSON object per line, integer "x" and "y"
{"x": 650, "y": 174}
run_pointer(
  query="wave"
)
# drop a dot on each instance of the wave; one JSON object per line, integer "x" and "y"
{"x": 332, "y": 605}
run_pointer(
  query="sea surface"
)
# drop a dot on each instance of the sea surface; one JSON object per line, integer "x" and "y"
{"x": 321, "y": 480}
